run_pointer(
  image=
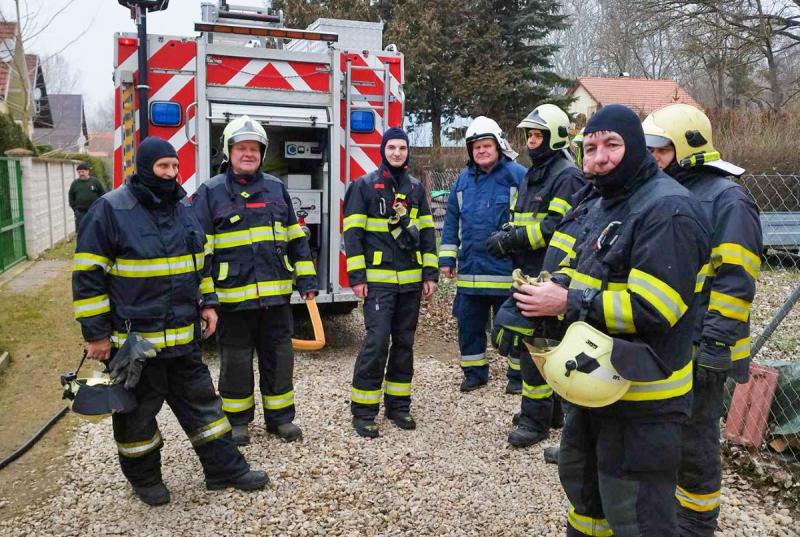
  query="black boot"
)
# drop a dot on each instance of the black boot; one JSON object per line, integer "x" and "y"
{"x": 551, "y": 455}
{"x": 522, "y": 437}
{"x": 515, "y": 418}
{"x": 288, "y": 432}
{"x": 403, "y": 420}
{"x": 240, "y": 435}
{"x": 366, "y": 428}
{"x": 157, "y": 494}
{"x": 252, "y": 480}
{"x": 471, "y": 384}
{"x": 514, "y": 387}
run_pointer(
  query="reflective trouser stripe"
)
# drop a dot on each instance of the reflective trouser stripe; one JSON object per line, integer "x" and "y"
{"x": 277, "y": 402}
{"x": 513, "y": 363}
{"x": 238, "y": 405}
{"x": 89, "y": 307}
{"x": 210, "y": 432}
{"x": 542, "y": 391}
{"x": 483, "y": 281}
{"x": 138, "y": 449}
{"x": 366, "y": 397}
{"x": 398, "y": 389}
{"x": 595, "y": 527}
{"x": 677, "y": 384}
{"x": 697, "y": 502}
{"x": 473, "y": 360}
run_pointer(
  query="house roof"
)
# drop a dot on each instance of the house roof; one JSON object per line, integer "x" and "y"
{"x": 69, "y": 123}
{"x": 644, "y": 95}
{"x": 8, "y": 30}
{"x": 101, "y": 143}
{"x": 32, "y": 63}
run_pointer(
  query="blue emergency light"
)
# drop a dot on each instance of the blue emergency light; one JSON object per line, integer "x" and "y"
{"x": 165, "y": 113}
{"x": 362, "y": 121}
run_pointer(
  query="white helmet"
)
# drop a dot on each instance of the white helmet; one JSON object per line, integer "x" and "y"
{"x": 241, "y": 129}
{"x": 550, "y": 118}
{"x": 484, "y": 127}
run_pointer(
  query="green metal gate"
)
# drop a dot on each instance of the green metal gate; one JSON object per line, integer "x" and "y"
{"x": 12, "y": 229}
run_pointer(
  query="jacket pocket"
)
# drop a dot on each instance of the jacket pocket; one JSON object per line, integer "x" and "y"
{"x": 376, "y": 257}
{"x": 225, "y": 269}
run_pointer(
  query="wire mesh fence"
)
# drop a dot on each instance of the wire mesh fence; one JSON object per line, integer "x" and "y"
{"x": 762, "y": 429}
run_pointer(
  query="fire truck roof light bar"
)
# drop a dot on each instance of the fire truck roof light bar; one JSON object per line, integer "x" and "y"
{"x": 284, "y": 33}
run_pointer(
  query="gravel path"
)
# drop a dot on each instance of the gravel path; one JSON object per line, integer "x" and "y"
{"x": 454, "y": 475}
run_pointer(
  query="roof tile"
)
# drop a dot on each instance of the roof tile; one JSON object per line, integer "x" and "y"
{"x": 643, "y": 95}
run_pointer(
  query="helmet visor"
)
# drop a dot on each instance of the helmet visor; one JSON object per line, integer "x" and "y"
{"x": 654, "y": 140}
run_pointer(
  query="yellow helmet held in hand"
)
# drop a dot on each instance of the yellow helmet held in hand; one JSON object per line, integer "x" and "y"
{"x": 688, "y": 129}
{"x": 241, "y": 129}
{"x": 549, "y": 117}
{"x": 579, "y": 369}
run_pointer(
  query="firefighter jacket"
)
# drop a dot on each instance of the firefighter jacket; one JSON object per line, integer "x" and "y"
{"x": 542, "y": 202}
{"x": 561, "y": 248}
{"x": 140, "y": 265}
{"x": 633, "y": 276}
{"x": 380, "y": 251}
{"x": 258, "y": 248}
{"x": 479, "y": 205}
{"x": 728, "y": 280}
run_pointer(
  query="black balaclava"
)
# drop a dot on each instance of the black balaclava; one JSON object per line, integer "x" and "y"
{"x": 637, "y": 165}
{"x": 395, "y": 133}
{"x": 150, "y": 150}
{"x": 539, "y": 155}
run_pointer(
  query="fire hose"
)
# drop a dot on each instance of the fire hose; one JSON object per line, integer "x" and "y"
{"x": 319, "y": 333}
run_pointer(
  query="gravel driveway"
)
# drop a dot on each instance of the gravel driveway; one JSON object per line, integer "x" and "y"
{"x": 454, "y": 475}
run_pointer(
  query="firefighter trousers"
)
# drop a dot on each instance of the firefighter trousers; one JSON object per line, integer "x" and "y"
{"x": 388, "y": 315}
{"x": 537, "y": 406}
{"x": 268, "y": 331}
{"x": 700, "y": 472}
{"x": 473, "y": 313}
{"x": 619, "y": 474}
{"x": 185, "y": 384}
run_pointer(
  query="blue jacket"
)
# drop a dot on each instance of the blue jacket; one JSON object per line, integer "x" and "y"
{"x": 479, "y": 205}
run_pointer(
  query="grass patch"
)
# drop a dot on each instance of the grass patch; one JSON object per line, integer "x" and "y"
{"x": 62, "y": 251}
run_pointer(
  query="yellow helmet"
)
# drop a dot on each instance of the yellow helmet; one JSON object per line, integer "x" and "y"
{"x": 689, "y": 131}
{"x": 549, "y": 117}
{"x": 579, "y": 369}
{"x": 578, "y": 142}
{"x": 244, "y": 128}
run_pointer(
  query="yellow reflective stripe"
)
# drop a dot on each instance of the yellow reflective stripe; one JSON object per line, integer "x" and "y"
{"x": 294, "y": 231}
{"x": 513, "y": 363}
{"x": 377, "y": 257}
{"x": 87, "y": 261}
{"x": 365, "y": 397}
{"x": 243, "y": 237}
{"x": 736, "y": 254}
{"x": 210, "y": 432}
{"x": 480, "y": 281}
{"x": 430, "y": 260}
{"x": 700, "y": 281}
{"x": 305, "y": 268}
{"x": 209, "y": 245}
{"x": 88, "y": 307}
{"x": 560, "y": 206}
{"x": 563, "y": 242}
{"x": 419, "y": 257}
{"x": 541, "y": 391}
{"x": 159, "y": 266}
{"x": 413, "y": 213}
{"x": 277, "y": 402}
{"x": 677, "y": 384}
{"x": 395, "y": 277}
{"x": 524, "y": 219}
{"x": 569, "y": 272}
{"x": 425, "y": 221}
{"x": 580, "y": 280}
{"x": 729, "y": 306}
{"x": 535, "y": 238}
{"x": 473, "y": 360}
{"x": 378, "y": 224}
{"x": 697, "y": 502}
{"x": 223, "y": 271}
{"x": 741, "y": 349}
{"x": 229, "y": 295}
{"x": 355, "y": 220}
{"x": 448, "y": 250}
{"x": 168, "y": 338}
{"x": 662, "y": 297}
{"x": 133, "y": 450}
{"x": 207, "y": 285}
{"x": 238, "y": 405}
{"x": 287, "y": 264}
{"x": 595, "y": 527}
{"x": 618, "y": 312}
{"x": 356, "y": 262}
{"x": 398, "y": 389}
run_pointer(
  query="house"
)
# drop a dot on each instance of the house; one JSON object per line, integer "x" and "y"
{"x": 643, "y": 95}
{"x": 101, "y": 144}
{"x": 67, "y": 130}
{"x": 23, "y": 93}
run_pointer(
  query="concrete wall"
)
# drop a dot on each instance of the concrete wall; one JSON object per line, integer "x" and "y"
{"x": 45, "y": 200}
{"x": 583, "y": 104}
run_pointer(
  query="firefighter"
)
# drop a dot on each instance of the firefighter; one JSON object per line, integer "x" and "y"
{"x": 391, "y": 260}
{"x": 633, "y": 277}
{"x": 139, "y": 269}
{"x": 680, "y": 138}
{"x": 259, "y": 253}
{"x": 542, "y": 202}
{"x": 479, "y": 205}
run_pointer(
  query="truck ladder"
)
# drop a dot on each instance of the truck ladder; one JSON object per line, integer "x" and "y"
{"x": 127, "y": 107}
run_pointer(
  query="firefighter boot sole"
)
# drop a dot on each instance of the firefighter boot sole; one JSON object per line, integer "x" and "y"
{"x": 288, "y": 432}
{"x": 252, "y": 480}
{"x": 522, "y": 437}
{"x": 153, "y": 495}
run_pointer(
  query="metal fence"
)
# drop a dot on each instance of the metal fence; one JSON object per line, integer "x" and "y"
{"x": 12, "y": 225}
{"x": 762, "y": 438}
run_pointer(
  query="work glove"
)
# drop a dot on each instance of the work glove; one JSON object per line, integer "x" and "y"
{"x": 507, "y": 342}
{"x": 713, "y": 359}
{"x": 127, "y": 364}
{"x": 501, "y": 243}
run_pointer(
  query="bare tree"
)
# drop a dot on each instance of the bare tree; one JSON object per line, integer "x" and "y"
{"x": 61, "y": 77}
{"x": 100, "y": 117}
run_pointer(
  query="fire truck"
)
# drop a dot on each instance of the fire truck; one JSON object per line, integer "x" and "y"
{"x": 324, "y": 95}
